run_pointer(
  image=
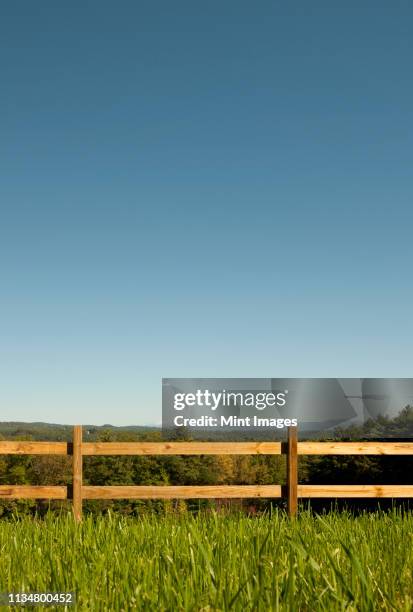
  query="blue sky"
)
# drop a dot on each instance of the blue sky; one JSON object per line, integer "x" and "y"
{"x": 200, "y": 189}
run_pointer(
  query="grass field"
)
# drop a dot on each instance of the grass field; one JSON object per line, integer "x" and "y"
{"x": 215, "y": 562}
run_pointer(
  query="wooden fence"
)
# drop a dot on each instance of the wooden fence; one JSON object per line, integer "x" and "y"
{"x": 291, "y": 492}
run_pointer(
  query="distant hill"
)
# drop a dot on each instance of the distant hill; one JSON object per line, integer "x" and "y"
{"x": 63, "y": 433}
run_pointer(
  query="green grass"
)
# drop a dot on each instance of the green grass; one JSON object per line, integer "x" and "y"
{"x": 215, "y": 562}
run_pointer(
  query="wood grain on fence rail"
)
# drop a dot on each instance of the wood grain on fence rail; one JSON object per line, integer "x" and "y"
{"x": 181, "y": 492}
{"x": 181, "y": 448}
{"x": 25, "y": 447}
{"x": 32, "y": 492}
{"x": 355, "y": 448}
{"x": 391, "y": 491}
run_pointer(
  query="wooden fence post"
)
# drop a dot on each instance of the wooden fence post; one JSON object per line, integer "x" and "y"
{"x": 292, "y": 472}
{"x": 77, "y": 472}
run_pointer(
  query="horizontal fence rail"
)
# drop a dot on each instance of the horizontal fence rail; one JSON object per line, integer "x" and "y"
{"x": 391, "y": 491}
{"x": 355, "y": 448}
{"x": 32, "y": 492}
{"x": 181, "y": 448}
{"x": 291, "y": 492}
{"x": 34, "y": 448}
{"x": 181, "y": 492}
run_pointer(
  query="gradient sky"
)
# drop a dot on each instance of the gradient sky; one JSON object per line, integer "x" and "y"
{"x": 200, "y": 189}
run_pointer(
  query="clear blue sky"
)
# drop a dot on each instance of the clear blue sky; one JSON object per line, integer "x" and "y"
{"x": 200, "y": 189}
